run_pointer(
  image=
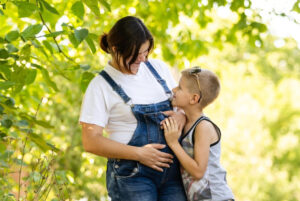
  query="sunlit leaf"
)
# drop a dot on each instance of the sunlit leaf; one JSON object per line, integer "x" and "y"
{"x": 6, "y": 84}
{"x": 85, "y": 66}
{"x": 50, "y": 8}
{"x": 85, "y": 80}
{"x": 296, "y": 6}
{"x": 40, "y": 142}
{"x": 81, "y": 34}
{"x": 4, "y": 54}
{"x": 25, "y": 52}
{"x": 31, "y": 75}
{"x": 46, "y": 76}
{"x": 31, "y": 31}
{"x": 11, "y": 48}
{"x": 54, "y": 34}
{"x": 93, "y": 5}
{"x": 78, "y": 9}
{"x": 25, "y": 9}
{"x": 7, "y": 123}
{"x": 48, "y": 46}
{"x": 11, "y": 36}
{"x": 105, "y": 4}
{"x": 73, "y": 40}
{"x": 91, "y": 44}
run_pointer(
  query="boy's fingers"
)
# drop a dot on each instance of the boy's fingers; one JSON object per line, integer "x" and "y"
{"x": 168, "y": 113}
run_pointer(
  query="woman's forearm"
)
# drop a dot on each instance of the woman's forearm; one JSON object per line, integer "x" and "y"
{"x": 108, "y": 148}
{"x": 150, "y": 155}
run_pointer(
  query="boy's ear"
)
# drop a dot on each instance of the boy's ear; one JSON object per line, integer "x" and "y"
{"x": 194, "y": 99}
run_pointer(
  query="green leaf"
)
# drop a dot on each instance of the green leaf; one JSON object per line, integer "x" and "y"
{"x": 25, "y": 52}
{"x": 9, "y": 102}
{"x": 85, "y": 66}
{"x": 54, "y": 34}
{"x": 2, "y": 40}
{"x": 50, "y": 8}
{"x": 85, "y": 80}
{"x": 46, "y": 76}
{"x": 11, "y": 48}
{"x": 296, "y": 6}
{"x": 41, "y": 143}
{"x": 105, "y": 4}
{"x": 1, "y": 12}
{"x": 78, "y": 9}
{"x": 91, "y": 44}
{"x": 11, "y": 36}
{"x": 48, "y": 46}
{"x": 36, "y": 176}
{"x": 6, "y": 85}
{"x": 81, "y": 34}
{"x": 22, "y": 123}
{"x": 31, "y": 75}
{"x": 31, "y": 31}
{"x": 261, "y": 27}
{"x": 93, "y": 5}
{"x": 236, "y": 4}
{"x": 3, "y": 54}
{"x": 7, "y": 123}
{"x": 73, "y": 40}
{"x": 25, "y": 9}
{"x": 94, "y": 37}
{"x": 144, "y": 3}
{"x": 7, "y": 154}
{"x": 43, "y": 124}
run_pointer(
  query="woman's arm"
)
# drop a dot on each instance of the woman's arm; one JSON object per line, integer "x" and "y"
{"x": 94, "y": 142}
{"x": 194, "y": 166}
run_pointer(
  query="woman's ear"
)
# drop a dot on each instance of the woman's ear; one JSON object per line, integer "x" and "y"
{"x": 114, "y": 49}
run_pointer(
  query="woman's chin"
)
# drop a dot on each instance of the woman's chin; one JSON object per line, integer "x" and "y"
{"x": 134, "y": 68}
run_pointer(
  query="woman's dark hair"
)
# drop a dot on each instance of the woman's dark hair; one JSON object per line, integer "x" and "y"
{"x": 126, "y": 37}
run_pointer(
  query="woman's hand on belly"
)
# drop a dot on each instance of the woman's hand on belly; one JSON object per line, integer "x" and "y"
{"x": 151, "y": 156}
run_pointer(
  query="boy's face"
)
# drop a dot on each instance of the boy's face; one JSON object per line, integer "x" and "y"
{"x": 182, "y": 96}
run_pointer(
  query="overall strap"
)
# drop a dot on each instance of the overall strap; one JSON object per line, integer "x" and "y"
{"x": 117, "y": 88}
{"x": 161, "y": 81}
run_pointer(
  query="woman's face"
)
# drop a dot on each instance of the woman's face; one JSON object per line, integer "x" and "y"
{"x": 142, "y": 57}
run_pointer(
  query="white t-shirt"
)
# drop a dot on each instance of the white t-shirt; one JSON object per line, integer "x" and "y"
{"x": 104, "y": 107}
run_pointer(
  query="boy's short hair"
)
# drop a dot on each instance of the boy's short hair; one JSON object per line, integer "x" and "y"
{"x": 208, "y": 81}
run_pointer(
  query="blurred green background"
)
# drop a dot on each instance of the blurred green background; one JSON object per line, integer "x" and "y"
{"x": 49, "y": 52}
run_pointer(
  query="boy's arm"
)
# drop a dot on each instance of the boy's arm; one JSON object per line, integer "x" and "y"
{"x": 194, "y": 166}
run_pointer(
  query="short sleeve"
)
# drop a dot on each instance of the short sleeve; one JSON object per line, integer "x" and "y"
{"x": 94, "y": 108}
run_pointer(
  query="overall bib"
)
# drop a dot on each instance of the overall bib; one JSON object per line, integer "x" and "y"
{"x": 132, "y": 181}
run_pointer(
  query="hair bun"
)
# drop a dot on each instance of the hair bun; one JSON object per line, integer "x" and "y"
{"x": 104, "y": 43}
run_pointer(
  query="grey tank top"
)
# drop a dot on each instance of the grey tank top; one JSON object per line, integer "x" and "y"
{"x": 213, "y": 185}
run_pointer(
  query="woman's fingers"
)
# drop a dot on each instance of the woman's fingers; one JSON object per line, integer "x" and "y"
{"x": 154, "y": 158}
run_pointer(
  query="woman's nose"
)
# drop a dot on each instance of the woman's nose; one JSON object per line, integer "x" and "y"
{"x": 142, "y": 58}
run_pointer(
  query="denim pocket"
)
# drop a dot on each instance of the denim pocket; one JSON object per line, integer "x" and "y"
{"x": 126, "y": 168}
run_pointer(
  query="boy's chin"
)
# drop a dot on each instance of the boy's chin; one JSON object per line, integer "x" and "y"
{"x": 174, "y": 104}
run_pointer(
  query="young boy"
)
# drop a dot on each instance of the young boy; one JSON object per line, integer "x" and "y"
{"x": 199, "y": 153}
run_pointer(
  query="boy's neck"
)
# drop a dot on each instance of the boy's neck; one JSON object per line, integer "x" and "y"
{"x": 193, "y": 114}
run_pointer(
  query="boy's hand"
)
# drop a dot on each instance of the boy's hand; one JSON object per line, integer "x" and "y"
{"x": 171, "y": 130}
{"x": 178, "y": 116}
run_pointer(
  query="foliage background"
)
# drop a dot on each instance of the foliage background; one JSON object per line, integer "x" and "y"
{"x": 49, "y": 52}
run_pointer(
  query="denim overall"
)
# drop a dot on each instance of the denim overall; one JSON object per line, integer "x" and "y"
{"x": 132, "y": 181}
